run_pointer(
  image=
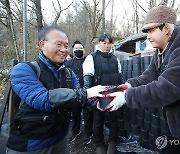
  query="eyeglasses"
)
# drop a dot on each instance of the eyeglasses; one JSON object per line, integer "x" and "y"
{"x": 59, "y": 45}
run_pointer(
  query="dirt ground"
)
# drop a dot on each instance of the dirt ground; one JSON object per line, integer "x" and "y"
{"x": 77, "y": 147}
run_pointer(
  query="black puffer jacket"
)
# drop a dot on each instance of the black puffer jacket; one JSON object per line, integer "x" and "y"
{"x": 76, "y": 65}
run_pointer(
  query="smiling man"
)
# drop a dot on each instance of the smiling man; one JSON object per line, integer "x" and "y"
{"x": 55, "y": 46}
{"x": 41, "y": 123}
{"x": 159, "y": 85}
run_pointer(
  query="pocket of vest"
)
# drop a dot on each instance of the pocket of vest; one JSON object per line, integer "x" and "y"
{"x": 45, "y": 118}
{"x": 39, "y": 126}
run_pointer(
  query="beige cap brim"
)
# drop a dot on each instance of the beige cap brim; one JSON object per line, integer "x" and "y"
{"x": 149, "y": 26}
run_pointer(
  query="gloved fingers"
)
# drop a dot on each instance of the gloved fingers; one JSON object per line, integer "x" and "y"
{"x": 99, "y": 88}
{"x": 100, "y": 95}
{"x": 122, "y": 87}
{"x": 95, "y": 91}
{"x": 114, "y": 108}
{"x": 106, "y": 88}
{"x": 108, "y": 107}
{"x": 102, "y": 88}
{"x": 114, "y": 94}
{"x": 98, "y": 106}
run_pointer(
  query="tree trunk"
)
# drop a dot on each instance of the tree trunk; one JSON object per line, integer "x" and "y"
{"x": 111, "y": 22}
{"x": 103, "y": 17}
{"x": 10, "y": 26}
{"x": 39, "y": 16}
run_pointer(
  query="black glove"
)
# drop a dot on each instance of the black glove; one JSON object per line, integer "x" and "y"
{"x": 88, "y": 81}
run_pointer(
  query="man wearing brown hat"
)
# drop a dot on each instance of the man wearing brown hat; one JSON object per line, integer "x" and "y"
{"x": 159, "y": 85}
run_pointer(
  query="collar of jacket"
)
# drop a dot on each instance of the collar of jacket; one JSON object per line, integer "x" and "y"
{"x": 53, "y": 67}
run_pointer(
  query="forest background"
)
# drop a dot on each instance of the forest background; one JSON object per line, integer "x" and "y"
{"x": 81, "y": 19}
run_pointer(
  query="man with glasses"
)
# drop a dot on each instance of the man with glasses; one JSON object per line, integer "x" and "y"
{"x": 41, "y": 123}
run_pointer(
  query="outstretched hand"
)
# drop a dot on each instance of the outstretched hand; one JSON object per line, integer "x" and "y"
{"x": 117, "y": 102}
{"x": 95, "y": 91}
{"x": 118, "y": 97}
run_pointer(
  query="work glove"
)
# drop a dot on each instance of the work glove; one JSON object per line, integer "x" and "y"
{"x": 128, "y": 84}
{"x": 118, "y": 97}
{"x": 106, "y": 99}
{"x": 99, "y": 107}
{"x": 95, "y": 91}
{"x": 117, "y": 102}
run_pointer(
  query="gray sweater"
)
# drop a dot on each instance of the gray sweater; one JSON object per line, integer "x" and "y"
{"x": 152, "y": 89}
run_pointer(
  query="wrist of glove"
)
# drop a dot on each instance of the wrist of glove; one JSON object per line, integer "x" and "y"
{"x": 128, "y": 84}
{"x": 81, "y": 95}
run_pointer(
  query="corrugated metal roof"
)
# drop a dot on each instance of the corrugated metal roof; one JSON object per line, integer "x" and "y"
{"x": 128, "y": 44}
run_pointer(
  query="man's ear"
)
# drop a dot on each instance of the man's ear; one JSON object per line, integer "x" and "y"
{"x": 167, "y": 30}
{"x": 41, "y": 44}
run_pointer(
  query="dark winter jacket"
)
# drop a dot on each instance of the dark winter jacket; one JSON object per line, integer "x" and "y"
{"x": 160, "y": 87}
{"x": 41, "y": 120}
{"x": 103, "y": 67}
{"x": 76, "y": 65}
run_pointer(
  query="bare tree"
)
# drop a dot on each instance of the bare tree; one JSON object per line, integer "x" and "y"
{"x": 136, "y": 16}
{"x": 96, "y": 14}
{"x": 8, "y": 23}
{"x": 58, "y": 12}
{"x": 38, "y": 11}
{"x": 103, "y": 16}
{"x": 112, "y": 13}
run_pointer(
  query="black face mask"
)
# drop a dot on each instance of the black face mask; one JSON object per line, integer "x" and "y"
{"x": 78, "y": 53}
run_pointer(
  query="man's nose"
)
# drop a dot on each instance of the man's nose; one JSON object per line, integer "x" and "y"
{"x": 148, "y": 35}
{"x": 107, "y": 45}
{"x": 64, "y": 49}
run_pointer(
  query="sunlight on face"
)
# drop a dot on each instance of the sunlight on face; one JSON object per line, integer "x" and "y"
{"x": 157, "y": 37}
{"x": 56, "y": 46}
{"x": 105, "y": 45}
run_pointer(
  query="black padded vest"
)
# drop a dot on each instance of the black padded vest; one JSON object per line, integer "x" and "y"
{"x": 106, "y": 69}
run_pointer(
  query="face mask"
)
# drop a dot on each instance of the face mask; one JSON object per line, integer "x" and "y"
{"x": 78, "y": 53}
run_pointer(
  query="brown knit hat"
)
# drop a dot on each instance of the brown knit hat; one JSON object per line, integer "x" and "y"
{"x": 159, "y": 15}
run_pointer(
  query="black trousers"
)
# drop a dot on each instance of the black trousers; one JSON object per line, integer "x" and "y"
{"x": 98, "y": 127}
{"x": 88, "y": 122}
{"x": 76, "y": 119}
